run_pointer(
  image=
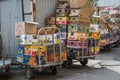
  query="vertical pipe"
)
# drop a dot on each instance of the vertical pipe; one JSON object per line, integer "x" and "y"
{"x": 23, "y": 16}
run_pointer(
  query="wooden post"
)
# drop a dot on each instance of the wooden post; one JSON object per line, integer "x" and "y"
{"x": 33, "y": 9}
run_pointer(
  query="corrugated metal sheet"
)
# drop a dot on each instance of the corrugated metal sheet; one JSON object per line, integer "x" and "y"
{"x": 44, "y": 8}
{"x": 11, "y": 13}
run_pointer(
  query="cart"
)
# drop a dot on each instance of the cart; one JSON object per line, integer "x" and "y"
{"x": 81, "y": 51}
{"x": 49, "y": 52}
{"x": 4, "y": 62}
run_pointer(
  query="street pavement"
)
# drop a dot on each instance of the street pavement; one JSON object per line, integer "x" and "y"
{"x": 106, "y": 66}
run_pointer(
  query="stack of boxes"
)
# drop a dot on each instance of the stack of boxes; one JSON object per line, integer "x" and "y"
{"x": 32, "y": 48}
{"x": 73, "y": 19}
{"x": 25, "y": 33}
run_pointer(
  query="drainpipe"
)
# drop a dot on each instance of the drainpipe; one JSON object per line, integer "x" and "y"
{"x": 23, "y": 16}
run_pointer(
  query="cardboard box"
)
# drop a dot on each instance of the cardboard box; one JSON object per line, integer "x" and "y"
{"x": 71, "y": 44}
{"x": 20, "y": 57}
{"x": 23, "y": 28}
{"x": 63, "y": 28}
{"x": 89, "y": 3}
{"x": 73, "y": 28}
{"x": 50, "y": 20}
{"x": 63, "y": 4}
{"x": 88, "y": 10}
{"x": 74, "y": 20}
{"x": 74, "y": 12}
{"x": 62, "y": 20}
{"x": 76, "y": 44}
{"x": 77, "y": 3}
{"x": 27, "y": 39}
{"x": 20, "y": 49}
{"x": 62, "y": 12}
{"x": 74, "y": 36}
{"x": 31, "y": 50}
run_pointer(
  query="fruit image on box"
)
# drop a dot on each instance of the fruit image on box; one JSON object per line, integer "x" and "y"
{"x": 26, "y": 59}
{"x": 64, "y": 55}
{"x": 57, "y": 57}
{"x": 74, "y": 12}
{"x": 20, "y": 57}
{"x": 95, "y": 50}
{"x": 20, "y": 49}
{"x": 34, "y": 50}
{"x": 57, "y": 39}
{"x": 74, "y": 20}
{"x": 73, "y": 28}
{"x": 43, "y": 52}
{"x": 50, "y": 21}
{"x": 50, "y": 57}
{"x": 27, "y": 50}
{"x": 27, "y": 39}
{"x": 32, "y": 61}
{"x": 23, "y": 28}
{"x": 62, "y": 20}
{"x": 63, "y": 28}
{"x": 74, "y": 36}
{"x": 60, "y": 12}
{"x": 44, "y": 41}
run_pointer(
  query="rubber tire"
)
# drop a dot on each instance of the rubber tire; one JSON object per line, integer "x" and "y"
{"x": 84, "y": 61}
{"x": 109, "y": 47}
{"x": 7, "y": 69}
{"x": 68, "y": 63}
{"x": 117, "y": 44}
{"x": 29, "y": 73}
{"x": 53, "y": 70}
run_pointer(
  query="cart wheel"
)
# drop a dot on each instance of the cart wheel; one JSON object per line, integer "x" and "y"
{"x": 53, "y": 69}
{"x": 7, "y": 69}
{"x": 84, "y": 61}
{"x": 109, "y": 47}
{"x": 117, "y": 44}
{"x": 67, "y": 63}
{"x": 29, "y": 73}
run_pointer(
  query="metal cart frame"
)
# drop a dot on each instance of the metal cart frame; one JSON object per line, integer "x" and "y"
{"x": 29, "y": 68}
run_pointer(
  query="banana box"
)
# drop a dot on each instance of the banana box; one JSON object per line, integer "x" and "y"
{"x": 50, "y": 20}
{"x": 74, "y": 36}
{"x": 73, "y": 28}
{"x": 62, "y": 20}
{"x": 60, "y": 12}
{"x": 27, "y": 39}
{"x": 20, "y": 49}
{"x": 89, "y": 3}
{"x": 74, "y": 20}
{"x": 74, "y": 12}
{"x": 63, "y": 4}
{"x": 57, "y": 57}
{"x": 20, "y": 57}
{"x": 31, "y": 50}
{"x": 63, "y": 28}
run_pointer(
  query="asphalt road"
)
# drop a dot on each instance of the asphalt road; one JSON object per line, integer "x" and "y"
{"x": 77, "y": 72}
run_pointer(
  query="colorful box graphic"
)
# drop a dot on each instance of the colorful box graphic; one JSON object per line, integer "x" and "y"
{"x": 63, "y": 28}
{"x": 50, "y": 20}
{"x": 74, "y": 12}
{"x": 74, "y": 20}
{"x": 62, "y": 20}
{"x": 73, "y": 28}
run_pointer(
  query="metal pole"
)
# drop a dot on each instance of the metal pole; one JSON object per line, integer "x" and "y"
{"x": 23, "y": 16}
